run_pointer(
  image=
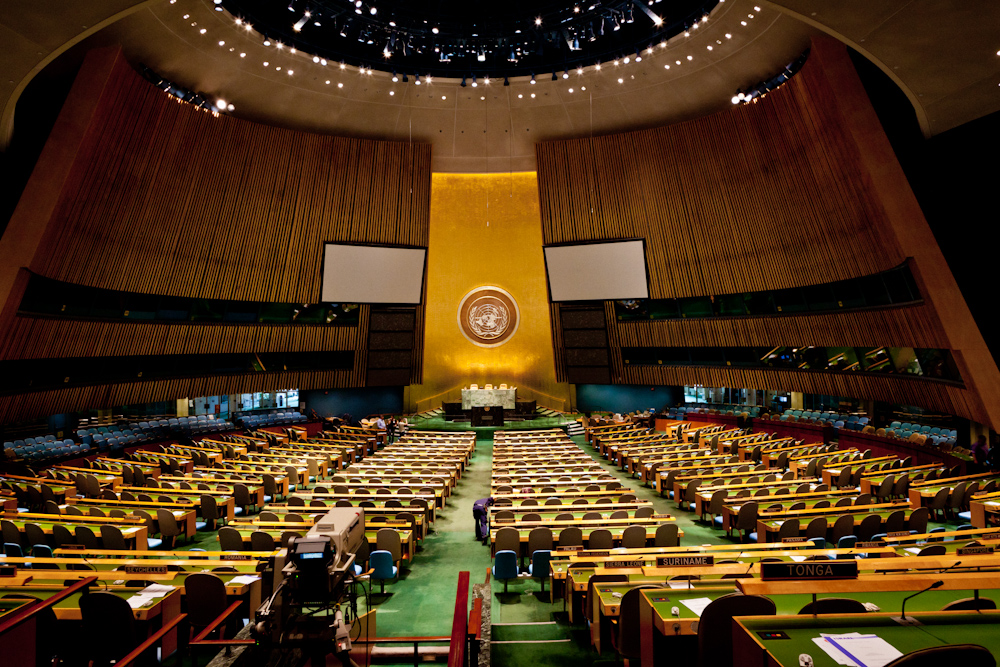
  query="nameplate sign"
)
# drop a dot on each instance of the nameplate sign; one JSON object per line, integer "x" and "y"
{"x": 145, "y": 569}
{"x": 898, "y": 533}
{"x": 236, "y": 557}
{"x": 971, "y": 551}
{"x": 990, "y": 536}
{"x": 662, "y": 516}
{"x": 505, "y": 519}
{"x": 573, "y": 549}
{"x": 618, "y": 564}
{"x": 817, "y": 570}
{"x": 869, "y": 545}
{"x": 684, "y": 561}
{"x": 793, "y": 540}
{"x": 593, "y": 554}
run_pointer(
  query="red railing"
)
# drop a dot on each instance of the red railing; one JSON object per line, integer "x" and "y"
{"x": 460, "y": 623}
{"x": 26, "y": 612}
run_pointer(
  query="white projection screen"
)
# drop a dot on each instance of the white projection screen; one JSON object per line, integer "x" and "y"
{"x": 597, "y": 271}
{"x": 372, "y": 274}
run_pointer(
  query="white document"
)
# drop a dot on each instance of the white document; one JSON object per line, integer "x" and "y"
{"x": 833, "y": 652}
{"x": 680, "y": 585}
{"x": 697, "y": 605}
{"x": 798, "y": 559}
{"x": 244, "y": 579}
{"x": 912, "y": 550}
{"x": 137, "y": 601}
{"x": 156, "y": 590}
{"x": 864, "y": 650}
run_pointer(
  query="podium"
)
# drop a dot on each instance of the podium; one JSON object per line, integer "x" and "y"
{"x": 487, "y": 415}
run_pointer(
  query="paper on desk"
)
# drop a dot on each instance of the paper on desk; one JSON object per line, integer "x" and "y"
{"x": 798, "y": 559}
{"x": 679, "y": 584}
{"x": 244, "y": 579}
{"x": 137, "y": 601}
{"x": 697, "y": 605}
{"x": 156, "y": 590}
{"x": 912, "y": 550}
{"x": 835, "y": 653}
{"x": 865, "y": 650}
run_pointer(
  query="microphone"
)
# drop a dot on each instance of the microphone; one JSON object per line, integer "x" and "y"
{"x": 955, "y": 564}
{"x": 902, "y": 612}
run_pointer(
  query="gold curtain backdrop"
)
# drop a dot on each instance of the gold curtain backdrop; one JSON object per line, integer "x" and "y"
{"x": 485, "y": 230}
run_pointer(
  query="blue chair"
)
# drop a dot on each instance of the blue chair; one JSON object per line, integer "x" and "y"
{"x": 41, "y": 551}
{"x": 818, "y": 542}
{"x": 505, "y": 567}
{"x": 382, "y": 567}
{"x": 539, "y": 567}
{"x": 847, "y": 542}
{"x": 12, "y": 550}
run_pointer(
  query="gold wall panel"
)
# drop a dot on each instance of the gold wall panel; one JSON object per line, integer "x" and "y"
{"x": 485, "y": 229}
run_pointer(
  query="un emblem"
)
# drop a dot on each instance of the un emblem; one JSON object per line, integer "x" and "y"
{"x": 488, "y": 316}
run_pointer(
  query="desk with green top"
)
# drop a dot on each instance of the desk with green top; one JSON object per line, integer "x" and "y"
{"x": 185, "y": 513}
{"x": 731, "y": 506}
{"x": 870, "y": 482}
{"x": 886, "y": 591}
{"x": 133, "y": 528}
{"x": 750, "y": 649}
{"x": 768, "y": 526}
{"x": 616, "y": 527}
{"x": 224, "y": 500}
{"x": 276, "y": 529}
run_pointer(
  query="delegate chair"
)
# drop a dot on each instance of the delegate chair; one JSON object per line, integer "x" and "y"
{"x": 169, "y": 530}
{"x": 571, "y": 536}
{"x": 261, "y": 541}
{"x": 626, "y": 637}
{"x": 834, "y": 606}
{"x": 538, "y": 568}
{"x": 382, "y": 568}
{"x": 230, "y": 539}
{"x": 205, "y": 594}
{"x": 600, "y": 539}
{"x": 667, "y": 535}
{"x": 634, "y": 537}
{"x": 504, "y": 566}
{"x": 112, "y": 538}
{"x": 387, "y": 539}
{"x": 108, "y": 626}
{"x": 715, "y": 629}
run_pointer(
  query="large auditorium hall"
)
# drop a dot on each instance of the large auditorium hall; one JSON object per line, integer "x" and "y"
{"x": 385, "y": 332}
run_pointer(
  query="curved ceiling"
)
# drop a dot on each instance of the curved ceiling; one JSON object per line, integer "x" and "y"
{"x": 449, "y": 38}
{"x": 495, "y": 127}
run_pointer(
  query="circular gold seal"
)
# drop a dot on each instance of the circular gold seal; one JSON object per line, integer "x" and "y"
{"x": 488, "y": 316}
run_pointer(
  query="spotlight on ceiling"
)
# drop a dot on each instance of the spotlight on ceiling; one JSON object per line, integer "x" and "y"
{"x": 506, "y": 81}
{"x": 474, "y": 84}
{"x": 463, "y": 82}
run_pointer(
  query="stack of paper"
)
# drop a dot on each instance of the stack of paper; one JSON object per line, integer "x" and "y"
{"x": 148, "y": 594}
{"x": 857, "y": 650}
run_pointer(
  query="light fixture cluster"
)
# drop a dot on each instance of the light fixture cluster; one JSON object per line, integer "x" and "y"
{"x": 481, "y": 39}
{"x": 200, "y": 101}
{"x": 759, "y": 90}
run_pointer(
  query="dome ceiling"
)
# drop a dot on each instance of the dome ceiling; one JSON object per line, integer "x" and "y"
{"x": 470, "y": 38}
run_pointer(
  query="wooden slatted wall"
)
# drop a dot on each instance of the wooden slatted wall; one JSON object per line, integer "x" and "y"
{"x": 763, "y": 196}
{"x": 165, "y": 199}
{"x": 760, "y": 197}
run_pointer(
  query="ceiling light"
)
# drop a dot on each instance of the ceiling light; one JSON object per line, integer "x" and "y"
{"x": 435, "y": 30}
{"x": 566, "y": 74}
{"x": 220, "y": 104}
{"x": 538, "y": 21}
{"x": 486, "y": 81}
{"x": 297, "y": 27}
{"x": 579, "y": 70}
{"x": 532, "y": 78}
{"x": 506, "y": 82}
